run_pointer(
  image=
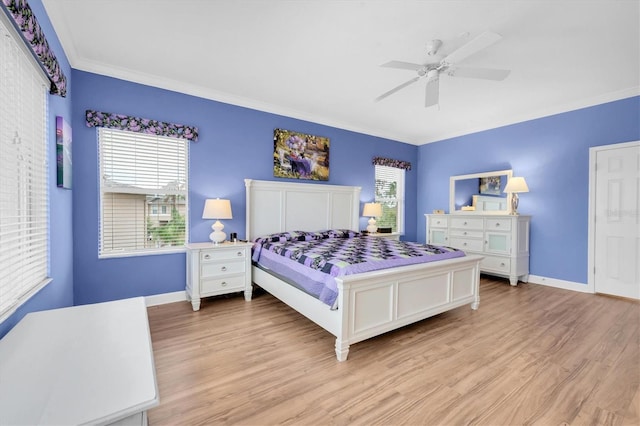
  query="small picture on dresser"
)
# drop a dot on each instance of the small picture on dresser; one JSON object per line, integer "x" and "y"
{"x": 300, "y": 156}
{"x": 490, "y": 185}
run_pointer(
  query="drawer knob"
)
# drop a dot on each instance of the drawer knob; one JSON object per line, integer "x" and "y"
{"x": 239, "y": 253}
{"x": 497, "y": 224}
{"x": 206, "y": 256}
{"x": 224, "y": 268}
{"x": 465, "y": 223}
{"x": 464, "y": 233}
{"x": 464, "y": 244}
{"x": 502, "y": 264}
{"x": 223, "y": 284}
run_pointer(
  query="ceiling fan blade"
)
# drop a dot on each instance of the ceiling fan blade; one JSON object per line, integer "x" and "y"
{"x": 432, "y": 92}
{"x": 482, "y": 41}
{"x": 395, "y": 89}
{"x": 402, "y": 65}
{"x": 483, "y": 73}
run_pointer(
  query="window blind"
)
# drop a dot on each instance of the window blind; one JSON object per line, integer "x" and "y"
{"x": 390, "y": 194}
{"x": 143, "y": 186}
{"x": 24, "y": 228}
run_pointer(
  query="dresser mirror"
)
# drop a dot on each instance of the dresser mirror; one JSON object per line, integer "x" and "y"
{"x": 480, "y": 193}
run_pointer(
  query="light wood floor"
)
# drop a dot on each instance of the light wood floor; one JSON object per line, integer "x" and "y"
{"x": 530, "y": 355}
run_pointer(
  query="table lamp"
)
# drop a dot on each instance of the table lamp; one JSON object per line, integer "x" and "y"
{"x": 372, "y": 210}
{"x": 217, "y": 209}
{"x": 514, "y": 186}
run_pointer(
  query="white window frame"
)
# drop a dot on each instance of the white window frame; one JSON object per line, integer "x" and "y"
{"x": 24, "y": 199}
{"x": 144, "y": 181}
{"x": 397, "y": 175}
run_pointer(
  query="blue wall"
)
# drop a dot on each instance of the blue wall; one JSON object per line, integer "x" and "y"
{"x": 234, "y": 143}
{"x": 58, "y": 293}
{"x": 552, "y": 154}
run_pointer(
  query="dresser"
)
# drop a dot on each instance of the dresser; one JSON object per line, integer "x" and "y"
{"x": 503, "y": 240}
{"x": 214, "y": 269}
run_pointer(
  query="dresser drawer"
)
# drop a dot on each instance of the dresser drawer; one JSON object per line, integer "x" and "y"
{"x": 498, "y": 224}
{"x": 224, "y": 267}
{"x": 222, "y": 254}
{"x": 465, "y": 244}
{"x": 221, "y": 285}
{"x": 466, "y": 233}
{"x": 438, "y": 221}
{"x": 467, "y": 223}
{"x": 496, "y": 264}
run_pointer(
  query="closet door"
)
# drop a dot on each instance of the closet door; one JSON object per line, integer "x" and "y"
{"x": 616, "y": 236}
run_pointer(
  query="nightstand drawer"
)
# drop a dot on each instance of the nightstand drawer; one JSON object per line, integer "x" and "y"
{"x": 211, "y": 269}
{"x": 222, "y": 254}
{"x": 222, "y": 285}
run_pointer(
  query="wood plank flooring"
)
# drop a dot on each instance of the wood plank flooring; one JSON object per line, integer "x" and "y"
{"x": 530, "y": 355}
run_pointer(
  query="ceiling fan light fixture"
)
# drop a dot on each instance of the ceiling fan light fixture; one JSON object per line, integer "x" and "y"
{"x": 432, "y": 74}
{"x": 433, "y": 46}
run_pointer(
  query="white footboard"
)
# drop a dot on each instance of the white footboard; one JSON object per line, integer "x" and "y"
{"x": 376, "y": 302}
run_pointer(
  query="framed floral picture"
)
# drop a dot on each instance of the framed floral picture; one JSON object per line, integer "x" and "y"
{"x": 300, "y": 156}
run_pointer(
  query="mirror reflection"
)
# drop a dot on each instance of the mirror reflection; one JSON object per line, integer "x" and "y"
{"x": 479, "y": 193}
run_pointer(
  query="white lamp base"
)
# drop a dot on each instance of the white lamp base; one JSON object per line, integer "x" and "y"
{"x": 217, "y": 236}
{"x": 372, "y": 228}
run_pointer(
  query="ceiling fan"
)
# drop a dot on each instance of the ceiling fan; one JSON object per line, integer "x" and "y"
{"x": 448, "y": 65}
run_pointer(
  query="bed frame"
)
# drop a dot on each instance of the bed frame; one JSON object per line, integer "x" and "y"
{"x": 370, "y": 303}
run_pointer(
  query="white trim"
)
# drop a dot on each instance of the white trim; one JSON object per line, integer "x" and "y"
{"x": 562, "y": 284}
{"x": 164, "y": 298}
{"x": 591, "y": 278}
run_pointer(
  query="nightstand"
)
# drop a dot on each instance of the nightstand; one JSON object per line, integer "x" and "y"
{"x": 214, "y": 269}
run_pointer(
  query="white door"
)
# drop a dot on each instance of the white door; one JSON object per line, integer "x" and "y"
{"x": 616, "y": 224}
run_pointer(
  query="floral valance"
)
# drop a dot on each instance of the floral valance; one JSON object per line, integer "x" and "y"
{"x": 26, "y": 21}
{"x": 390, "y": 162}
{"x": 140, "y": 125}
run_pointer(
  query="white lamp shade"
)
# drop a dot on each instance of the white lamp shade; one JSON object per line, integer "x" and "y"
{"x": 217, "y": 209}
{"x": 516, "y": 184}
{"x": 372, "y": 210}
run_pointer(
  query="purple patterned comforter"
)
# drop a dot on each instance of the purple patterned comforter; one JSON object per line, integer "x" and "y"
{"x": 314, "y": 259}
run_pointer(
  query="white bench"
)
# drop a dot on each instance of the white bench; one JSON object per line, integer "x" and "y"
{"x": 84, "y": 364}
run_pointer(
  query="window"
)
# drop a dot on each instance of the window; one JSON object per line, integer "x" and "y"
{"x": 390, "y": 194}
{"x": 140, "y": 172}
{"x": 24, "y": 204}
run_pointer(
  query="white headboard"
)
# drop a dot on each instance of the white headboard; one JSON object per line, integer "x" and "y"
{"x": 288, "y": 206}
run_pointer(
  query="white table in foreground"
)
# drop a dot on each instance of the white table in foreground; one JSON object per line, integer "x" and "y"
{"x": 90, "y": 364}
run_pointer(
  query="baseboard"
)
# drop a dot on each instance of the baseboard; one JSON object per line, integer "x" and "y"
{"x": 161, "y": 299}
{"x": 565, "y": 285}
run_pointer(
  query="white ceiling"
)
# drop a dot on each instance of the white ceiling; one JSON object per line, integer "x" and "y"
{"x": 318, "y": 60}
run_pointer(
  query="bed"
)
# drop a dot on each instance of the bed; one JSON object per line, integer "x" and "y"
{"x": 368, "y": 303}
